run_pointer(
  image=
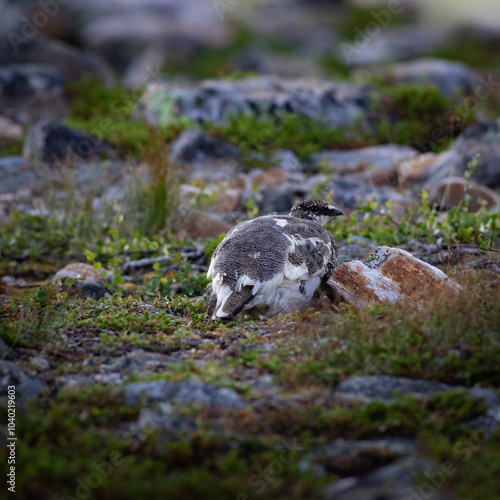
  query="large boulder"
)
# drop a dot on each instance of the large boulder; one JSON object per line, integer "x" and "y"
{"x": 389, "y": 275}
{"x": 214, "y": 101}
{"x": 54, "y": 142}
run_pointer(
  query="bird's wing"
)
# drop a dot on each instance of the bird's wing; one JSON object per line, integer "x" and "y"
{"x": 312, "y": 252}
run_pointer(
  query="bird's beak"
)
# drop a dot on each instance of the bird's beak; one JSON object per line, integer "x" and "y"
{"x": 336, "y": 212}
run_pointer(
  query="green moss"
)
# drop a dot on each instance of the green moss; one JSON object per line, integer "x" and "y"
{"x": 11, "y": 147}
{"x": 334, "y": 65}
{"x": 106, "y": 113}
{"x": 299, "y": 133}
{"x": 210, "y": 63}
{"x": 472, "y": 51}
{"x": 360, "y": 20}
{"x": 418, "y": 116}
{"x": 469, "y": 465}
{"x": 394, "y": 340}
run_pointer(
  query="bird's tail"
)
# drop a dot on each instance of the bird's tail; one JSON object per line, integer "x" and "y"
{"x": 226, "y": 303}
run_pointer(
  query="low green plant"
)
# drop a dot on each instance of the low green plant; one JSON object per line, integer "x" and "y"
{"x": 107, "y": 113}
{"x": 418, "y": 116}
{"x": 11, "y": 147}
{"x": 185, "y": 280}
{"x": 296, "y": 132}
{"x": 377, "y": 221}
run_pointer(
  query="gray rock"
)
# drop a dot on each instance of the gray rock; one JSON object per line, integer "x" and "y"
{"x": 352, "y": 194}
{"x": 366, "y": 388}
{"x": 136, "y": 361}
{"x": 479, "y": 146}
{"x": 287, "y": 160}
{"x": 39, "y": 363}
{"x": 183, "y": 393}
{"x": 260, "y": 60}
{"x": 26, "y": 385}
{"x": 398, "y": 481}
{"x": 355, "y": 160}
{"x": 17, "y": 173}
{"x": 73, "y": 382}
{"x": 383, "y": 387}
{"x": 99, "y": 176}
{"x": 449, "y": 77}
{"x": 390, "y": 44}
{"x": 193, "y": 147}
{"x": 279, "y": 200}
{"x": 336, "y": 104}
{"x": 346, "y": 458}
{"x": 87, "y": 280}
{"x": 419, "y": 169}
{"x": 51, "y": 142}
{"x": 32, "y": 92}
{"x": 73, "y": 63}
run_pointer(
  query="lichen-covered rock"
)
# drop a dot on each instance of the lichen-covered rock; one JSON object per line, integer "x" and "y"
{"x": 91, "y": 285}
{"x": 51, "y": 142}
{"x": 214, "y": 101}
{"x": 32, "y": 92}
{"x": 389, "y": 275}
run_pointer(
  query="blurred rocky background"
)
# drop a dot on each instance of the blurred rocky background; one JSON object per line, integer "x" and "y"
{"x": 135, "y": 133}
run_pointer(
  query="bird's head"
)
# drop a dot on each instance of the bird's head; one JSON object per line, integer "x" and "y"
{"x": 316, "y": 210}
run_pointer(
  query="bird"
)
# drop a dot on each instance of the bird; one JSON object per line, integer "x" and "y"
{"x": 274, "y": 263}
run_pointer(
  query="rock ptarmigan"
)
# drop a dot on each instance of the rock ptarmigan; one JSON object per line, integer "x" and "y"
{"x": 273, "y": 264}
